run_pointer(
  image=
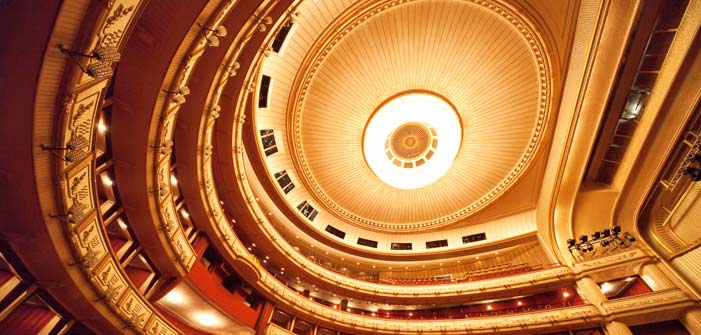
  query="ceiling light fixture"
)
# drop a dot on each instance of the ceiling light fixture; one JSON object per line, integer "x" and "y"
{"x": 174, "y": 297}
{"x": 207, "y": 319}
{"x": 101, "y": 127}
{"x": 412, "y": 140}
{"x": 693, "y": 173}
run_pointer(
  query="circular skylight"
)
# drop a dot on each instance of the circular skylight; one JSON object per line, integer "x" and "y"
{"x": 412, "y": 140}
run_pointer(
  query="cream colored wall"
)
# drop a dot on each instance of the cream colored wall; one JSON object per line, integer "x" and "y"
{"x": 688, "y": 267}
{"x": 687, "y": 216}
{"x": 594, "y": 211}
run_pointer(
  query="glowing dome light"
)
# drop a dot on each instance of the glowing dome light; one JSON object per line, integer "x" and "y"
{"x": 427, "y": 109}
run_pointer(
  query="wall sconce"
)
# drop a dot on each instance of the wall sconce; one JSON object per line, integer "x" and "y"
{"x": 75, "y": 214}
{"x": 292, "y": 16}
{"x": 213, "y": 37}
{"x": 74, "y": 149}
{"x": 263, "y": 22}
{"x": 102, "y": 66}
{"x": 214, "y": 112}
{"x": 168, "y": 226}
{"x": 165, "y": 148}
{"x": 178, "y": 95}
{"x": 231, "y": 69}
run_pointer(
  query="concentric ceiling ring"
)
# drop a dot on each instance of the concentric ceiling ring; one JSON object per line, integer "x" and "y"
{"x": 481, "y": 55}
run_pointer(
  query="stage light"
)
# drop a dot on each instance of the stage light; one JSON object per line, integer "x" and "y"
{"x": 571, "y": 243}
{"x": 628, "y": 238}
{"x": 693, "y": 173}
{"x": 603, "y": 238}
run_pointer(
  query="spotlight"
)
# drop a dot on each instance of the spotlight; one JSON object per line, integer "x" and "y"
{"x": 628, "y": 237}
{"x": 583, "y": 248}
{"x": 693, "y": 173}
{"x": 571, "y": 243}
{"x": 605, "y": 239}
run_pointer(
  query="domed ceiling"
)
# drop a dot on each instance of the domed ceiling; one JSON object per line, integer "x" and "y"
{"x": 479, "y": 57}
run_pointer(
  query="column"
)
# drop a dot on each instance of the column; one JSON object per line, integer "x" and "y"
{"x": 654, "y": 276}
{"x": 589, "y": 291}
{"x": 616, "y": 328}
{"x": 691, "y": 318}
{"x": 264, "y": 317}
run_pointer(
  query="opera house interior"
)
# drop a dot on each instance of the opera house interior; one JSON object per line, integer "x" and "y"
{"x": 350, "y": 167}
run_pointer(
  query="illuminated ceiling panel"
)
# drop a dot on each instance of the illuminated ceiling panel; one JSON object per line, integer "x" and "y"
{"x": 484, "y": 59}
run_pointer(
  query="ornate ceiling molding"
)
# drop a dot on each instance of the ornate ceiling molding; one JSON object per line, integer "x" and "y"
{"x": 347, "y": 24}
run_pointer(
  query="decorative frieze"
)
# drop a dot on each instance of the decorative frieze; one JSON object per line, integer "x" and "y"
{"x": 90, "y": 243}
{"x": 110, "y": 281}
{"x": 660, "y": 299}
{"x": 134, "y": 309}
{"x": 628, "y": 256}
{"x": 76, "y": 132}
{"x": 110, "y": 33}
{"x": 78, "y": 193}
